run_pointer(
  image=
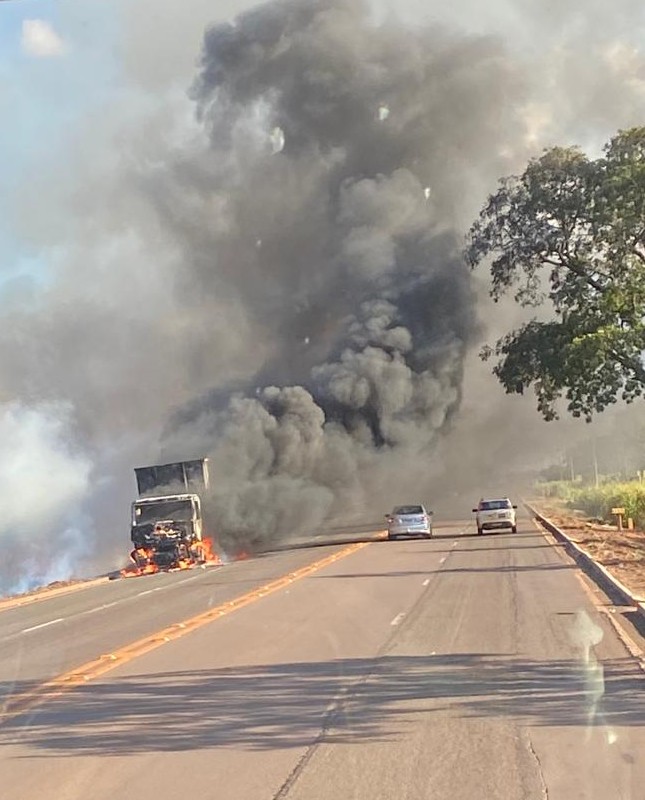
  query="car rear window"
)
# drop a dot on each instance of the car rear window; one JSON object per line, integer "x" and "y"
{"x": 492, "y": 505}
{"x": 402, "y": 510}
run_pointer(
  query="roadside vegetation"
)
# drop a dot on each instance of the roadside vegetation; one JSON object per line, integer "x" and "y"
{"x": 597, "y": 501}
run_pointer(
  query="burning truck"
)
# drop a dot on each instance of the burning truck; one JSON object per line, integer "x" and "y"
{"x": 167, "y": 522}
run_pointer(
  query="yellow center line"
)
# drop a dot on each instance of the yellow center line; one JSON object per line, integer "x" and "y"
{"x": 20, "y": 703}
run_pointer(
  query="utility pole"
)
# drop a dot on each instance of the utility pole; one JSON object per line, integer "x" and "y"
{"x": 595, "y": 464}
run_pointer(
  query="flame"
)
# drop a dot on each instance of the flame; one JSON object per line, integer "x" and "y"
{"x": 201, "y": 553}
{"x": 208, "y": 554}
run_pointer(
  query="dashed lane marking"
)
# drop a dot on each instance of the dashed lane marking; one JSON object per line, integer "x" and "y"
{"x": 42, "y": 625}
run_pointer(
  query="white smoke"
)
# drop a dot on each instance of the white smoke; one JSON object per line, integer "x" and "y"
{"x": 44, "y": 481}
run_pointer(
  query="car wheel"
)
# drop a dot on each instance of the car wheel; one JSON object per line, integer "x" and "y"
{"x": 480, "y": 531}
{"x": 514, "y": 529}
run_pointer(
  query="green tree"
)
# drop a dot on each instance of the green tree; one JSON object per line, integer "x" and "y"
{"x": 570, "y": 232}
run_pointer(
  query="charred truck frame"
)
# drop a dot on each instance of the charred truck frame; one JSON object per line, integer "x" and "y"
{"x": 167, "y": 528}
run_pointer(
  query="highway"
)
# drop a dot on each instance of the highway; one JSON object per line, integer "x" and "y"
{"x": 462, "y": 668}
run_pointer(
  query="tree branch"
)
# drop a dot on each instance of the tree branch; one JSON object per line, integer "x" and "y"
{"x": 577, "y": 271}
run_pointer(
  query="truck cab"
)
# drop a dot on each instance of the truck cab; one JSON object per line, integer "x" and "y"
{"x": 180, "y": 512}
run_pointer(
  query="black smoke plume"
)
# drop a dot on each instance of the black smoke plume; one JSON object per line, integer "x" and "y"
{"x": 339, "y": 148}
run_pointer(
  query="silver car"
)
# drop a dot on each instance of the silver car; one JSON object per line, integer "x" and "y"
{"x": 409, "y": 521}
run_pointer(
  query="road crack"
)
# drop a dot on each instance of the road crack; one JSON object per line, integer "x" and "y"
{"x": 334, "y": 710}
{"x": 538, "y": 763}
{"x": 329, "y": 717}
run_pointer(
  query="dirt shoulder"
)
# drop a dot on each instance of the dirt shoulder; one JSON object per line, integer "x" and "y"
{"x": 50, "y": 590}
{"x": 621, "y": 552}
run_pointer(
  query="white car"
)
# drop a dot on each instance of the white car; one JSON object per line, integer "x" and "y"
{"x": 409, "y": 521}
{"x": 495, "y": 515}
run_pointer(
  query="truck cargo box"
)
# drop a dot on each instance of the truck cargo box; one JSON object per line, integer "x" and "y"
{"x": 187, "y": 476}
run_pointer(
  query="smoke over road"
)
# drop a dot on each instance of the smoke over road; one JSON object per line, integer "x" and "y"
{"x": 277, "y": 283}
{"x": 338, "y": 151}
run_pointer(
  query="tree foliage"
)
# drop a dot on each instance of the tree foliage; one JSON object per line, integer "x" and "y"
{"x": 570, "y": 232}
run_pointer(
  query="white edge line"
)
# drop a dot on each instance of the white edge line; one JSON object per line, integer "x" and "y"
{"x": 42, "y": 625}
{"x": 98, "y": 608}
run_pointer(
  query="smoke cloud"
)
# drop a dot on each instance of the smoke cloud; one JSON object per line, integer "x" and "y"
{"x": 42, "y": 484}
{"x": 335, "y": 248}
{"x": 267, "y": 270}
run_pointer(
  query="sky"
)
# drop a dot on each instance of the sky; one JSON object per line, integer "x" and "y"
{"x": 58, "y": 63}
{"x": 115, "y": 202}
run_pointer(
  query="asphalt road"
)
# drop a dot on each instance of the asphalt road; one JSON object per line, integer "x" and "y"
{"x": 463, "y": 668}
